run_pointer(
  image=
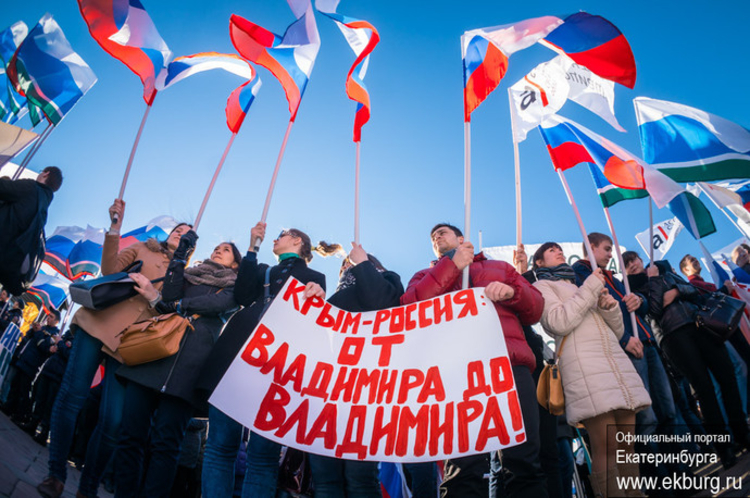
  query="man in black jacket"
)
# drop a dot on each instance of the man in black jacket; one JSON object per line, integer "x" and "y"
{"x": 23, "y": 207}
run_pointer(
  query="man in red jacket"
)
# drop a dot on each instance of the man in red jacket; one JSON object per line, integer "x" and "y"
{"x": 517, "y": 303}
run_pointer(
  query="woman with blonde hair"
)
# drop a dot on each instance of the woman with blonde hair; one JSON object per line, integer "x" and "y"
{"x": 600, "y": 384}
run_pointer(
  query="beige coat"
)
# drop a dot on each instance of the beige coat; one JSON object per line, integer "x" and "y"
{"x": 597, "y": 375}
{"x": 107, "y": 324}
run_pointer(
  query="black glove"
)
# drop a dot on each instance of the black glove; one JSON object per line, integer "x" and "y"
{"x": 164, "y": 308}
{"x": 186, "y": 246}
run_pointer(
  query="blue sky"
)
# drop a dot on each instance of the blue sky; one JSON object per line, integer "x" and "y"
{"x": 412, "y": 149}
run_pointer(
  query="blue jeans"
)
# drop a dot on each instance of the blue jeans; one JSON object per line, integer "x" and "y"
{"x": 338, "y": 478}
{"x": 84, "y": 360}
{"x": 222, "y": 445}
{"x": 155, "y": 421}
{"x": 662, "y": 410}
{"x": 262, "y": 475}
{"x": 424, "y": 483}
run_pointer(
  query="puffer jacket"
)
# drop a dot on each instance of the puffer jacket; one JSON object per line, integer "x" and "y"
{"x": 524, "y": 308}
{"x": 596, "y": 373}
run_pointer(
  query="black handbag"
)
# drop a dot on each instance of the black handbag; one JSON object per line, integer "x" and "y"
{"x": 101, "y": 293}
{"x": 720, "y": 315}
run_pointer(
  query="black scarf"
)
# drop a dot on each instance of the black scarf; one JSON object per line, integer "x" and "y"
{"x": 559, "y": 272}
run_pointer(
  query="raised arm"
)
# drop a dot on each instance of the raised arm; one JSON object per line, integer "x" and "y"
{"x": 562, "y": 316}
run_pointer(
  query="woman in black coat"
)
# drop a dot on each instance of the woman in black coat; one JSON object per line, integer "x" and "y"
{"x": 364, "y": 285}
{"x": 697, "y": 354}
{"x": 160, "y": 395}
{"x": 294, "y": 251}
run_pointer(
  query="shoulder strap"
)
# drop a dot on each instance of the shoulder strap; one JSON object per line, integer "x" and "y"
{"x": 559, "y": 351}
{"x": 267, "y": 284}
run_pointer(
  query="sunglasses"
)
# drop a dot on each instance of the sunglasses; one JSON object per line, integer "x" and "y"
{"x": 284, "y": 233}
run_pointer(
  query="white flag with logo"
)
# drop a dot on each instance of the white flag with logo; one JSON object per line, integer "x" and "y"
{"x": 664, "y": 235}
{"x": 545, "y": 89}
{"x": 539, "y": 94}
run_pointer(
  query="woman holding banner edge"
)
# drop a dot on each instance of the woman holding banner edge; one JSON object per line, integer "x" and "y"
{"x": 294, "y": 251}
{"x": 600, "y": 384}
{"x": 365, "y": 285}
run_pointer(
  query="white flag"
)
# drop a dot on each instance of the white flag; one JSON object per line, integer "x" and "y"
{"x": 536, "y": 96}
{"x": 664, "y": 235}
{"x": 545, "y": 89}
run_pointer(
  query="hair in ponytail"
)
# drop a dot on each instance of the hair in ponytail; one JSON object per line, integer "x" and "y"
{"x": 325, "y": 249}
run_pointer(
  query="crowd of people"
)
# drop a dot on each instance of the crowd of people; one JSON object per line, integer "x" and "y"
{"x": 635, "y": 360}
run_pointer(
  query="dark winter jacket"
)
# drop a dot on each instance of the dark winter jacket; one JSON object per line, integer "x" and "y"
{"x": 18, "y": 206}
{"x": 372, "y": 290}
{"x": 248, "y": 291}
{"x": 679, "y": 312}
{"x": 54, "y": 367}
{"x": 524, "y": 308}
{"x": 36, "y": 350}
{"x": 177, "y": 375}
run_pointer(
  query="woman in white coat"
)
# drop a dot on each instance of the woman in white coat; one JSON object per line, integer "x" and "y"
{"x": 600, "y": 384}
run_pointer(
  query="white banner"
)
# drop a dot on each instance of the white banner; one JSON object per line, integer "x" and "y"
{"x": 664, "y": 235}
{"x": 422, "y": 382}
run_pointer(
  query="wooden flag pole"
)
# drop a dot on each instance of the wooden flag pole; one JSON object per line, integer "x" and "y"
{"x": 356, "y": 198}
{"x": 572, "y": 202}
{"x": 132, "y": 155}
{"x": 257, "y": 241}
{"x": 517, "y": 166}
{"x": 620, "y": 261}
{"x": 34, "y": 148}
{"x": 467, "y": 195}
{"x": 213, "y": 182}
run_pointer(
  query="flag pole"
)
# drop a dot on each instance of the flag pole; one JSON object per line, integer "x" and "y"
{"x": 356, "y": 197}
{"x": 213, "y": 182}
{"x": 651, "y": 230}
{"x": 467, "y": 195}
{"x": 736, "y": 225}
{"x": 572, "y": 202}
{"x": 132, "y": 155}
{"x": 620, "y": 262}
{"x": 517, "y": 166}
{"x": 480, "y": 240}
{"x": 257, "y": 241}
{"x": 34, "y": 148}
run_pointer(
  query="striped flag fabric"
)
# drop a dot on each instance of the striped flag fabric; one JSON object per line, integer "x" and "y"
{"x": 239, "y": 103}
{"x": 47, "y": 71}
{"x": 188, "y": 65}
{"x": 392, "y": 480}
{"x": 570, "y": 144}
{"x": 50, "y": 290}
{"x": 688, "y": 144}
{"x": 362, "y": 38}
{"x": 290, "y": 57}
{"x": 741, "y": 275}
{"x": 59, "y": 245}
{"x": 124, "y": 30}
{"x": 665, "y": 234}
{"x": 485, "y": 53}
{"x": 596, "y": 43}
{"x": 158, "y": 228}
{"x": 85, "y": 257}
{"x": 733, "y": 201}
{"x": 10, "y": 38}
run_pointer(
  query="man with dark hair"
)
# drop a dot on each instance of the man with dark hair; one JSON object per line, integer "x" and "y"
{"x": 640, "y": 344}
{"x": 23, "y": 214}
{"x": 517, "y": 303}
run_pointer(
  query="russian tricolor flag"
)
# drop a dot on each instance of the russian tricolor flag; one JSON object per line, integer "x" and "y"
{"x": 290, "y": 57}
{"x": 50, "y": 290}
{"x": 124, "y": 30}
{"x": 485, "y": 54}
{"x": 158, "y": 228}
{"x": 596, "y": 43}
{"x": 188, "y": 65}
{"x": 362, "y": 38}
{"x": 239, "y": 103}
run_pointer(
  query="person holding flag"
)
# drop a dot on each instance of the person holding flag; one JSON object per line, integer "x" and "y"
{"x": 97, "y": 337}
